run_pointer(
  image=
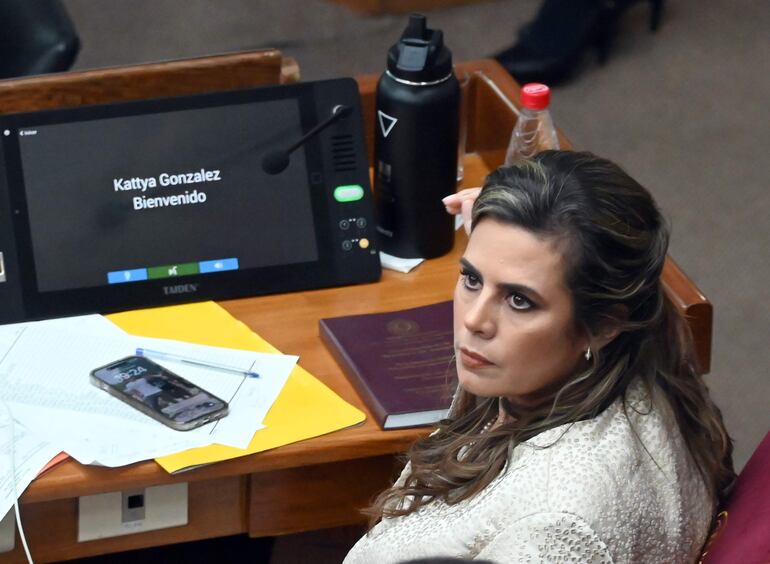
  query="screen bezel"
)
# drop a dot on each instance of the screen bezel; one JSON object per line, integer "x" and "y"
{"x": 115, "y": 297}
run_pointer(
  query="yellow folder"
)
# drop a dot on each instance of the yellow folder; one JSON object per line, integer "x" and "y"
{"x": 305, "y": 408}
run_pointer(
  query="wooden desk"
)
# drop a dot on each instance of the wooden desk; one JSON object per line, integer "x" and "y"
{"x": 324, "y": 481}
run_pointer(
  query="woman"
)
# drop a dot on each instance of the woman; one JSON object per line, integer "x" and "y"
{"x": 580, "y": 430}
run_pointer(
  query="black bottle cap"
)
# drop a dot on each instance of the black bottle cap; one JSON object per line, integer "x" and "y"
{"x": 420, "y": 55}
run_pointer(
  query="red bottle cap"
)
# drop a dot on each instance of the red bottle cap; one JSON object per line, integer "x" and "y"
{"x": 535, "y": 96}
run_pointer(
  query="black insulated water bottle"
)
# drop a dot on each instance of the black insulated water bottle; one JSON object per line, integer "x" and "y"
{"x": 415, "y": 144}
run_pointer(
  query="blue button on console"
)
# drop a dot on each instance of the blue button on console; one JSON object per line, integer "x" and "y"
{"x": 123, "y": 276}
{"x": 220, "y": 265}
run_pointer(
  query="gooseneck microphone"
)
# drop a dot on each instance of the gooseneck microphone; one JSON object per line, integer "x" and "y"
{"x": 276, "y": 161}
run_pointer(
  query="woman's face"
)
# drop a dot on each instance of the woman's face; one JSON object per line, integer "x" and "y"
{"x": 513, "y": 325}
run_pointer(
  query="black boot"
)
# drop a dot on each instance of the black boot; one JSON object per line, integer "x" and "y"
{"x": 552, "y": 45}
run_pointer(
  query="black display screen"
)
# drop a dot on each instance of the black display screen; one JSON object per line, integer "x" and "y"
{"x": 160, "y": 201}
{"x": 164, "y": 195}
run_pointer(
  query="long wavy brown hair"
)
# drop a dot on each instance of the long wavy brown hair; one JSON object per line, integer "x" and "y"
{"x": 613, "y": 241}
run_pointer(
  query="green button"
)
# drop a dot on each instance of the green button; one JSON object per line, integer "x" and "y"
{"x": 171, "y": 270}
{"x": 348, "y": 193}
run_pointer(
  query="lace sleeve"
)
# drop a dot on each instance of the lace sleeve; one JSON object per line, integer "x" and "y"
{"x": 547, "y": 537}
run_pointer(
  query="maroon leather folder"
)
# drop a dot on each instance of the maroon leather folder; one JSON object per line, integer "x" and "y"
{"x": 401, "y": 362}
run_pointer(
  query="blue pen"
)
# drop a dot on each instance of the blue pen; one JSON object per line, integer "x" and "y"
{"x": 193, "y": 362}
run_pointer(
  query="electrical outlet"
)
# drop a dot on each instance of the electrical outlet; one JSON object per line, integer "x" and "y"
{"x": 132, "y": 511}
{"x": 8, "y": 531}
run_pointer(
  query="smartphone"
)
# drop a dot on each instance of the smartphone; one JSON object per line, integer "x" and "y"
{"x": 159, "y": 393}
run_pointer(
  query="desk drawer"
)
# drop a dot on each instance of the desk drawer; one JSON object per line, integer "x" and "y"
{"x": 316, "y": 497}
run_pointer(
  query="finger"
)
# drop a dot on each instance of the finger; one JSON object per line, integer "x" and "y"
{"x": 468, "y": 193}
{"x": 453, "y": 203}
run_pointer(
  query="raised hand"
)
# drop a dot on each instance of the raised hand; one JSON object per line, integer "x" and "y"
{"x": 462, "y": 203}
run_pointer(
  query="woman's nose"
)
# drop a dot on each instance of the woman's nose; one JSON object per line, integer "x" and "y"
{"x": 480, "y": 317}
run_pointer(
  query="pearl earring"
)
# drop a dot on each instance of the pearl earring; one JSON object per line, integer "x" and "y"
{"x": 588, "y": 353}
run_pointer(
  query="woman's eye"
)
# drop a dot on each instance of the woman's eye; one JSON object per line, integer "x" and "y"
{"x": 470, "y": 280}
{"x": 519, "y": 302}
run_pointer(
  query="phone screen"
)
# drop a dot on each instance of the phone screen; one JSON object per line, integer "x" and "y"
{"x": 159, "y": 392}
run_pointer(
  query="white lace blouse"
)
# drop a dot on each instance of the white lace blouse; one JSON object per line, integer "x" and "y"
{"x": 598, "y": 493}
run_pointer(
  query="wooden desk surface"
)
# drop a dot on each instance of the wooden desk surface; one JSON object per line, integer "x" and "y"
{"x": 290, "y": 322}
{"x": 320, "y": 482}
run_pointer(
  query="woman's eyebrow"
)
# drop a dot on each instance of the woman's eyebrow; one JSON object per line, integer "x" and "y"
{"x": 465, "y": 263}
{"x": 506, "y": 287}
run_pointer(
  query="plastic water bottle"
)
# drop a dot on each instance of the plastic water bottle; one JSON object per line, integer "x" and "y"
{"x": 534, "y": 130}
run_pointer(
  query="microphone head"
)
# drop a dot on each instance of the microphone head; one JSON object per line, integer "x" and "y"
{"x": 341, "y": 109}
{"x": 275, "y": 162}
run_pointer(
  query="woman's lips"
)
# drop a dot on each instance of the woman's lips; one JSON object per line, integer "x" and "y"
{"x": 471, "y": 360}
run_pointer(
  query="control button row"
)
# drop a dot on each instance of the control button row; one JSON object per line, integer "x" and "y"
{"x": 171, "y": 270}
{"x": 348, "y": 244}
{"x": 360, "y": 223}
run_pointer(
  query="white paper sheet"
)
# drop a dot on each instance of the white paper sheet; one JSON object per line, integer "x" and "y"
{"x": 44, "y": 377}
{"x": 92, "y": 324}
{"x": 30, "y": 452}
{"x": 399, "y": 264}
{"x": 29, "y": 456}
